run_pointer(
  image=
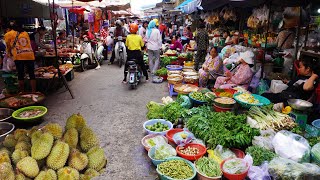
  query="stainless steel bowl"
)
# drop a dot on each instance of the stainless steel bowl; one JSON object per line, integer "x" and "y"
{"x": 299, "y": 104}
{"x": 5, "y": 129}
{"x": 5, "y": 114}
{"x": 223, "y": 105}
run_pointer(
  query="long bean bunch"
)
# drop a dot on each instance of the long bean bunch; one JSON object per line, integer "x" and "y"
{"x": 176, "y": 169}
{"x": 208, "y": 167}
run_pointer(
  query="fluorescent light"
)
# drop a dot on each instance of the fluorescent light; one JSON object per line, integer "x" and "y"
{"x": 319, "y": 10}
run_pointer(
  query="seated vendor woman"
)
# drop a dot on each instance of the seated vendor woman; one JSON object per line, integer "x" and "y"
{"x": 301, "y": 87}
{"x": 210, "y": 68}
{"x": 242, "y": 76}
{"x": 176, "y": 43}
{"x": 62, "y": 37}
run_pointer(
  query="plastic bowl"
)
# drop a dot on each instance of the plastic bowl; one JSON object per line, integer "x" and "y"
{"x": 201, "y": 176}
{"x": 174, "y": 67}
{"x": 223, "y": 105}
{"x": 171, "y": 133}
{"x": 5, "y": 129}
{"x": 219, "y": 91}
{"x": 202, "y": 151}
{"x": 197, "y": 101}
{"x": 240, "y": 154}
{"x": 164, "y": 177}
{"x": 234, "y": 176}
{"x": 144, "y": 140}
{"x": 153, "y": 121}
{"x": 151, "y": 156}
{"x": 5, "y": 114}
{"x": 221, "y": 109}
{"x": 316, "y": 123}
{"x": 30, "y": 119}
{"x": 262, "y": 101}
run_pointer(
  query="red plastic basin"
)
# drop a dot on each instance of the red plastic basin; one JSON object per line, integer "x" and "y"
{"x": 221, "y": 109}
{"x": 202, "y": 151}
{"x": 171, "y": 133}
{"x": 233, "y": 176}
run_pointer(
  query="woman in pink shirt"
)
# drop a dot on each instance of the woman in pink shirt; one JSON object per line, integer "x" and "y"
{"x": 176, "y": 45}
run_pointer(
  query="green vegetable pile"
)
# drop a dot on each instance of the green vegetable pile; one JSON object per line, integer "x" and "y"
{"x": 162, "y": 72}
{"x": 260, "y": 154}
{"x": 167, "y": 60}
{"x": 171, "y": 112}
{"x": 199, "y": 96}
{"x": 176, "y": 169}
{"x": 158, "y": 127}
{"x": 226, "y": 129}
{"x": 208, "y": 167}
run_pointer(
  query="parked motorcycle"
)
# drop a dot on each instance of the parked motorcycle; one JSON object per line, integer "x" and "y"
{"x": 120, "y": 51}
{"x": 135, "y": 73}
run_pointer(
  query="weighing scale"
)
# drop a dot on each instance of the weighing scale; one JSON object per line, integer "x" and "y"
{"x": 299, "y": 112}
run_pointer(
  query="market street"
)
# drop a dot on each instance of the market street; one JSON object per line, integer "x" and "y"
{"x": 115, "y": 113}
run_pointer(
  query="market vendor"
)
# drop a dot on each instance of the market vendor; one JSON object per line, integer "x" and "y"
{"x": 176, "y": 43}
{"x": 301, "y": 87}
{"x": 226, "y": 36}
{"x": 62, "y": 37}
{"x": 213, "y": 65}
{"x": 19, "y": 48}
{"x": 242, "y": 76}
{"x": 37, "y": 39}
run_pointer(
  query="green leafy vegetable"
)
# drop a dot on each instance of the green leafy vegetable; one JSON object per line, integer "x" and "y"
{"x": 260, "y": 154}
{"x": 208, "y": 167}
{"x": 162, "y": 72}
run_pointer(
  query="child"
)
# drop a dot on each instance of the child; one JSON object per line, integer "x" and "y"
{"x": 134, "y": 44}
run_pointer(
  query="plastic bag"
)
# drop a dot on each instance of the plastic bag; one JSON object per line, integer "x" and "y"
{"x": 164, "y": 151}
{"x": 277, "y": 86}
{"x": 259, "y": 172}
{"x": 224, "y": 153}
{"x": 291, "y": 146}
{"x": 183, "y": 138}
{"x": 265, "y": 139}
{"x": 235, "y": 166}
{"x": 8, "y": 64}
{"x": 256, "y": 79}
{"x": 282, "y": 168}
{"x": 263, "y": 87}
{"x": 158, "y": 140}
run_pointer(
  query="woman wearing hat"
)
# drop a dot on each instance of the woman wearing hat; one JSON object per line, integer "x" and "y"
{"x": 242, "y": 76}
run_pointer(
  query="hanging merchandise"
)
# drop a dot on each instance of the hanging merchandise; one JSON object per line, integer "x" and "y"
{"x": 91, "y": 17}
{"x": 259, "y": 17}
{"x": 86, "y": 16}
{"x": 73, "y": 17}
{"x": 98, "y": 14}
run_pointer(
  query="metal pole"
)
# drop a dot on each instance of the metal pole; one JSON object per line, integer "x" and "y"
{"x": 265, "y": 48}
{"x": 72, "y": 30}
{"x": 297, "y": 42}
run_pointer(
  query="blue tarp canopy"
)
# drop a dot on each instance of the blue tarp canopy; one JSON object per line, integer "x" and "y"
{"x": 183, "y": 4}
{"x": 189, "y": 6}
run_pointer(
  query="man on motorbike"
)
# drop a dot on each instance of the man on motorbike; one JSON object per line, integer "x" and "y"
{"x": 134, "y": 44}
{"x": 119, "y": 31}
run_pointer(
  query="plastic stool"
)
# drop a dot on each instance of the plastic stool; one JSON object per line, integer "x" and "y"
{"x": 171, "y": 90}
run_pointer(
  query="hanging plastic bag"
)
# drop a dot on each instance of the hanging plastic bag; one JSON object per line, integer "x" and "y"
{"x": 277, "y": 86}
{"x": 183, "y": 138}
{"x": 263, "y": 87}
{"x": 164, "y": 151}
{"x": 291, "y": 146}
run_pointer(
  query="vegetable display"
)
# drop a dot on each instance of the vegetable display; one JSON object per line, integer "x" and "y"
{"x": 171, "y": 112}
{"x": 176, "y": 169}
{"x": 226, "y": 129}
{"x": 158, "y": 127}
{"x": 247, "y": 98}
{"x": 161, "y": 72}
{"x": 191, "y": 151}
{"x": 164, "y": 151}
{"x": 208, "y": 167}
{"x": 260, "y": 154}
{"x": 266, "y": 118}
{"x": 199, "y": 96}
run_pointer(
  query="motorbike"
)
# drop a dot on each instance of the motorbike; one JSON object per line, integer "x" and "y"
{"x": 120, "y": 51}
{"x": 135, "y": 73}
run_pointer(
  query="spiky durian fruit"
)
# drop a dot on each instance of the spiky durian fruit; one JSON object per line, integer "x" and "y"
{"x": 5, "y": 156}
{"x": 18, "y": 154}
{"x": 20, "y": 132}
{"x": 97, "y": 158}
{"x": 24, "y": 138}
{"x": 54, "y": 129}
{"x": 9, "y": 141}
{"x": 47, "y": 175}
{"x": 28, "y": 166}
{"x": 35, "y": 135}
{"x": 71, "y": 137}
{"x": 76, "y": 121}
{"x": 89, "y": 174}
{"x": 68, "y": 173}
{"x": 42, "y": 146}
{"x": 20, "y": 176}
{"x": 6, "y": 171}
{"x": 58, "y": 155}
{"x": 22, "y": 145}
{"x": 77, "y": 160}
{"x": 88, "y": 139}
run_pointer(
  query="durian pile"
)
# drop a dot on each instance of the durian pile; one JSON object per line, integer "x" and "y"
{"x": 48, "y": 153}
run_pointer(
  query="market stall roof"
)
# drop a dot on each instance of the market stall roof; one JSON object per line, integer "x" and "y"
{"x": 23, "y": 9}
{"x": 122, "y": 13}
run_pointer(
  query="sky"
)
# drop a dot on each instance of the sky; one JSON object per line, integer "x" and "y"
{"x": 137, "y": 4}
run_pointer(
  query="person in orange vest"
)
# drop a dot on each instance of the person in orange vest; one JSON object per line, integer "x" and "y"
{"x": 19, "y": 48}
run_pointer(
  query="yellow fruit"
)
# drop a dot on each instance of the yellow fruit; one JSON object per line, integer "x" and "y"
{"x": 18, "y": 154}
{"x": 184, "y": 135}
{"x": 58, "y": 155}
{"x": 71, "y": 137}
{"x": 4, "y": 156}
{"x": 68, "y": 173}
{"x": 88, "y": 139}
{"x": 9, "y": 141}
{"x": 20, "y": 176}
{"x": 54, "y": 129}
{"x": 28, "y": 166}
{"x": 6, "y": 171}
{"x": 42, "y": 146}
{"x": 22, "y": 145}
{"x": 286, "y": 110}
{"x": 47, "y": 175}
{"x": 77, "y": 160}
{"x": 20, "y": 132}
{"x": 97, "y": 158}
{"x": 75, "y": 121}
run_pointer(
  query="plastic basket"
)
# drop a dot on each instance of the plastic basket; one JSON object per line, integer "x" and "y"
{"x": 153, "y": 121}
{"x": 262, "y": 101}
{"x": 164, "y": 177}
